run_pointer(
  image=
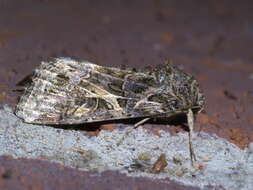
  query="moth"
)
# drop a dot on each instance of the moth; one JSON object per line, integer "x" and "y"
{"x": 64, "y": 91}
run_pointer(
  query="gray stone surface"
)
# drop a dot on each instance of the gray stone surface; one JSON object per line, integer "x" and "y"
{"x": 221, "y": 163}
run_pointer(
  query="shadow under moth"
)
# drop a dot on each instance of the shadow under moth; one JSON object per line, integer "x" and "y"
{"x": 64, "y": 91}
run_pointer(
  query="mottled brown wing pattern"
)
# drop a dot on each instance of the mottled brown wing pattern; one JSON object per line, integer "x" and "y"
{"x": 66, "y": 91}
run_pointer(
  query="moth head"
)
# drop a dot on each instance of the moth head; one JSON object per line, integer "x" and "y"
{"x": 181, "y": 86}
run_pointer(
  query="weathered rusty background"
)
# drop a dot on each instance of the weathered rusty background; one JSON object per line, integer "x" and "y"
{"x": 212, "y": 39}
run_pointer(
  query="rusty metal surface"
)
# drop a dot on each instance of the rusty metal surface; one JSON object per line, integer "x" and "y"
{"x": 38, "y": 174}
{"x": 211, "y": 39}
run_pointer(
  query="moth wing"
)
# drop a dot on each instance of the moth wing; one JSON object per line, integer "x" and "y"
{"x": 65, "y": 91}
{"x": 25, "y": 81}
{"x": 53, "y": 93}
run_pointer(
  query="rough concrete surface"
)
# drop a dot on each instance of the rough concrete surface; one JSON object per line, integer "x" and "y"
{"x": 220, "y": 163}
{"x": 210, "y": 39}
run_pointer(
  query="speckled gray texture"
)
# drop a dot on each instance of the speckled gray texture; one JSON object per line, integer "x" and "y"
{"x": 223, "y": 163}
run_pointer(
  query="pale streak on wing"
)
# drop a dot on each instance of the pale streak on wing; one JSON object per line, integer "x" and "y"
{"x": 103, "y": 94}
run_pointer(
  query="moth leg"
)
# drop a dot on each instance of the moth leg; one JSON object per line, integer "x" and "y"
{"x": 131, "y": 129}
{"x": 141, "y": 122}
{"x": 190, "y": 119}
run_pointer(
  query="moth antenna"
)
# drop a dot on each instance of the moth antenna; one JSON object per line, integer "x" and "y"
{"x": 131, "y": 129}
{"x": 190, "y": 120}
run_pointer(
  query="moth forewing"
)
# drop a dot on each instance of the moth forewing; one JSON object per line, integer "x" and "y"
{"x": 66, "y": 91}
